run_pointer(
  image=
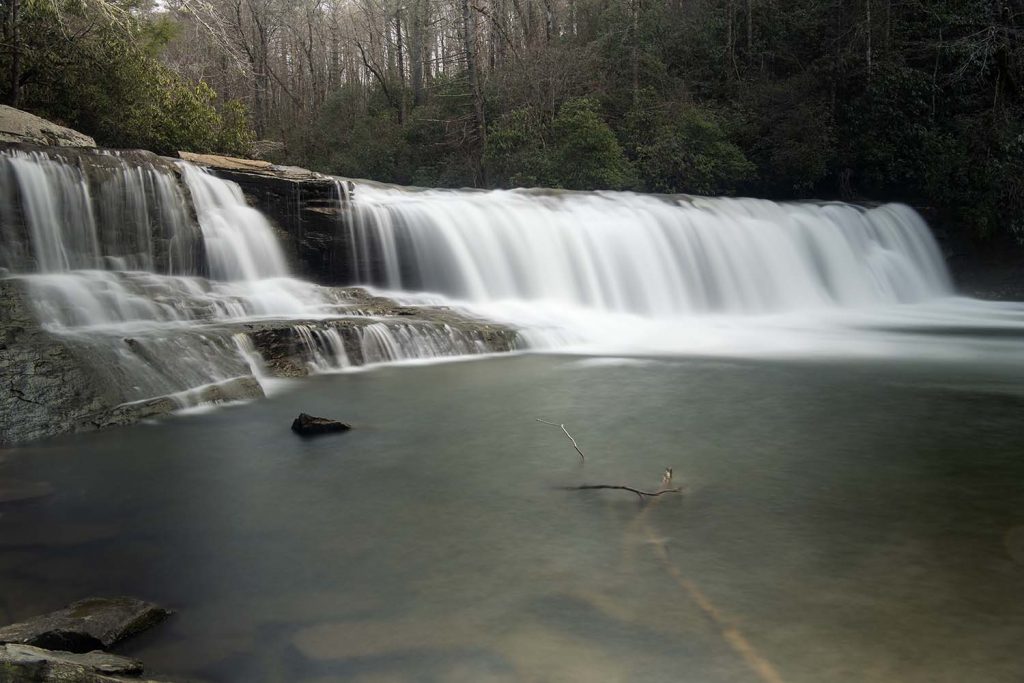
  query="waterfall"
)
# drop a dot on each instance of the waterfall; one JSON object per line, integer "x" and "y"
{"x": 160, "y": 276}
{"x": 98, "y": 220}
{"x": 154, "y": 271}
{"x": 629, "y": 274}
{"x": 240, "y": 244}
{"x": 641, "y": 254}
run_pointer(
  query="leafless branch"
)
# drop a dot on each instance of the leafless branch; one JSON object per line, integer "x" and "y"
{"x": 638, "y": 492}
{"x": 574, "y": 444}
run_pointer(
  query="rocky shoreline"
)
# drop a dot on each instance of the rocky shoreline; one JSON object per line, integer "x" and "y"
{"x": 70, "y": 645}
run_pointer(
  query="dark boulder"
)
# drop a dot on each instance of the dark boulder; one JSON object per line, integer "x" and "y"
{"x": 308, "y": 425}
{"x": 86, "y": 625}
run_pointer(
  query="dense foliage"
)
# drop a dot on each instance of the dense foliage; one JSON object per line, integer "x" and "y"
{"x": 914, "y": 100}
{"x": 905, "y": 100}
{"x": 94, "y": 66}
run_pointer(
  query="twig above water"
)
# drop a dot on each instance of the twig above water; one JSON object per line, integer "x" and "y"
{"x": 638, "y": 492}
{"x": 566, "y": 431}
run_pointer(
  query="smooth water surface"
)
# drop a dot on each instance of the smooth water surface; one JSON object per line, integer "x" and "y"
{"x": 840, "y": 522}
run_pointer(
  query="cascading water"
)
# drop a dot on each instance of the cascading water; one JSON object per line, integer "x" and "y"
{"x": 649, "y": 255}
{"x": 149, "y": 276}
{"x": 150, "y": 266}
{"x": 628, "y": 273}
{"x": 103, "y": 220}
{"x": 239, "y": 242}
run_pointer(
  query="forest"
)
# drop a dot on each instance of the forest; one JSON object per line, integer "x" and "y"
{"x": 920, "y": 101}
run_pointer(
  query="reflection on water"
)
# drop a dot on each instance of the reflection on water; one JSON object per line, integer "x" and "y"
{"x": 840, "y": 523}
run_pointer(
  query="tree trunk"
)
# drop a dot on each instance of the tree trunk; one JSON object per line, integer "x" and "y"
{"x": 14, "y": 94}
{"x": 750, "y": 29}
{"x": 634, "y": 52}
{"x": 416, "y": 53}
{"x": 867, "y": 51}
{"x": 401, "y": 66}
{"x": 469, "y": 41}
{"x": 730, "y": 18}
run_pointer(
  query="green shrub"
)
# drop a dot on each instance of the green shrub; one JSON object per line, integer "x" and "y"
{"x": 586, "y": 155}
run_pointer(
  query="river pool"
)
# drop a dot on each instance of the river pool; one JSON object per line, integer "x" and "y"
{"x": 839, "y": 521}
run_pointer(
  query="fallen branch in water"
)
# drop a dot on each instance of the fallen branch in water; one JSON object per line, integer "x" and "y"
{"x": 638, "y": 492}
{"x": 574, "y": 445}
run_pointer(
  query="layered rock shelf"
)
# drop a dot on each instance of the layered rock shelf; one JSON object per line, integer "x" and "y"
{"x": 50, "y": 383}
{"x": 112, "y": 311}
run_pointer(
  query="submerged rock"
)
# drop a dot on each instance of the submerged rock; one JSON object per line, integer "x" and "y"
{"x": 15, "y": 490}
{"x": 90, "y": 624}
{"x": 308, "y": 425}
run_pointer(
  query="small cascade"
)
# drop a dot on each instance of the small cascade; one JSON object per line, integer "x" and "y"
{"x": 257, "y": 366}
{"x": 323, "y": 349}
{"x": 390, "y": 342}
{"x": 96, "y": 211}
{"x": 155, "y": 273}
{"x": 240, "y": 245}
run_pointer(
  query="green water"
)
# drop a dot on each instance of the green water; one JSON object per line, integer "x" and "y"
{"x": 839, "y": 523}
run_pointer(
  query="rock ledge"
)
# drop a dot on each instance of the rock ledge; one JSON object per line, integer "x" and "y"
{"x": 20, "y": 126}
{"x": 86, "y": 625}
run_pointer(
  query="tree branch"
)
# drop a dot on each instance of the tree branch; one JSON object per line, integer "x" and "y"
{"x": 638, "y": 492}
{"x": 574, "y": 445}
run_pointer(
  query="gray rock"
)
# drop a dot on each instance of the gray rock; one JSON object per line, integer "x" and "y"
{"x": 90, "y": 624}
{"x": 308, "y": 425}
{"x": 25, "y": 663}
{"x": 45, "y": 386}
{"x": 20, "y": 126}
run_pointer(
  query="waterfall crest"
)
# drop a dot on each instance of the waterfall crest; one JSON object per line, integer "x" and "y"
{"x": 648, "y": 255}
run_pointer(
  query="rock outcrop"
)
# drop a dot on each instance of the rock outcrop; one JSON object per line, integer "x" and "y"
{"x": 86, "y": 625}
{"x": 20, "y": 126}
{"x": 67, "y": 646}
{"x": 45, "y": 387}
{"x": 51, "y": 384}
{"x": 27, "y": 664}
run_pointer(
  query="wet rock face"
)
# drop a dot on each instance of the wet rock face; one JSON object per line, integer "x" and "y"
{"x": 305, "y": 206}
{"x": 20, "y": 126}
{"x": 44, "y": 386}
{"x": 90, "y": 624}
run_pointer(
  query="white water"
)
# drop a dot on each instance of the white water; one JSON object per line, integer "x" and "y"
{"x": 114, "y": 263}
{"x": 105, "y": 223}
{"x": 240, "y": 244}
{"x": 648, "y": 255}
{"x": 640, "y": 274}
